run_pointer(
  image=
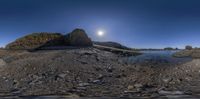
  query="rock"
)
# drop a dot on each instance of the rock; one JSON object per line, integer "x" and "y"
{"x": 162, "y": 92}
{"x": 188, "y": 78}
{"x": 118, "y": 76}
{"x": 110, "y": 69}
{"x": 81, "y": 88}
{"x": 98, "y": 58}
{"x": 2, "y": 63}
{"x": 138, "y": 85}
{"x": 83, "y": 84}
{"x": 15, "y": 83}
{"x": 35, "y": 79}
{"x": 96, "y": 82}
{"x": 100, "y": 76}
{"x": 78, "y": 37}
{"x": 131, "y": 92}
{"x": 130, "y": 87}
{"x": 62, "y": 75}
{"x": 167, "y": 79}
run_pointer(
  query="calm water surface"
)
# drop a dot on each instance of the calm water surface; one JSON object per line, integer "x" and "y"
{"x": 157, "y": 57}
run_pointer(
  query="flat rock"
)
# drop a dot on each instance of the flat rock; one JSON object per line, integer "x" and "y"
{"x": 163, "y": 92}
{"x": 138, "y": 85}
{"x": 83, "y": 84}
{"x": 2, "y": 63}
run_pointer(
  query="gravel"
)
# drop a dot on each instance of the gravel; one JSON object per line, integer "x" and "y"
{"x": 90, "y": 72}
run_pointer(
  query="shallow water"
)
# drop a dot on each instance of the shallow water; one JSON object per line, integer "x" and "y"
{"x": 156, "y": 57}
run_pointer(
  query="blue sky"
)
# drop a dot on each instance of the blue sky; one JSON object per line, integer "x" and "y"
{"x": 134, "y": 23}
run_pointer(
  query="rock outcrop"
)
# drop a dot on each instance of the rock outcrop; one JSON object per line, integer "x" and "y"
{"x": 193, "y": 53}
{"x": 78, "y": 37}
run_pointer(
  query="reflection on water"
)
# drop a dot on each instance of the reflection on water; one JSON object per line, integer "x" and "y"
{"x": 156, "y": 57}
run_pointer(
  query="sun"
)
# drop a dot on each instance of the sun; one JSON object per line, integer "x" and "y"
{"x": 100, "y": 33}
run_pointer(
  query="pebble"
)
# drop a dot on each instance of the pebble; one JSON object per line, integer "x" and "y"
{"x": 100, "y": 76}
{"x": 81, "y": 88}
{"x": 96, "y": 82}
{"x": 83, "y": 84}
{"x": 138, "y": 85}
{"x": 167, "y": 80}
{"x": 110, "y": 69}
{"x": 130, "y": 87}
{"x": 62, "y": 75}
{"x": 135, "y": 91}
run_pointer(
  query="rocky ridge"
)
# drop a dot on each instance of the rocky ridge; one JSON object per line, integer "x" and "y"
{"x": 77, "y": 37}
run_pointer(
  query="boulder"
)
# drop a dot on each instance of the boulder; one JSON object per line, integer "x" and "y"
{"x": 78, "y": 37}
{"x": 37, "y": 40}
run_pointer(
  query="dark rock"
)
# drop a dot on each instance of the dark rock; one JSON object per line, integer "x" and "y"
{"x": 110, "y": 69}
{"x": 78, "y": 37}
{"x": 118, "y": 76}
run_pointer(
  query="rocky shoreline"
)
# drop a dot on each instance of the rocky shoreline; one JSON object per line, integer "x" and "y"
{"x": 91, "y": 72}
{"x": 193, "y": 53}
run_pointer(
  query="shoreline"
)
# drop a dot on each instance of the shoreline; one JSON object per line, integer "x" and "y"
{"x": 89, "y": 72}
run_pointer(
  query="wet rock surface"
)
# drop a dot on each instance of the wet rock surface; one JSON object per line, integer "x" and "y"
{"x": 90, "y": 72}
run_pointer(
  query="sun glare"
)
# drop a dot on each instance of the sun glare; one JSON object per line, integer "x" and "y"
{"x": 100, "y": 33}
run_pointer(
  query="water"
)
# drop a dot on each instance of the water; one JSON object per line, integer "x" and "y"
{"x": 156, "y": 57}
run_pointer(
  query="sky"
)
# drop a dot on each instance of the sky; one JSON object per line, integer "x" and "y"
{"x": 134, "y": 23}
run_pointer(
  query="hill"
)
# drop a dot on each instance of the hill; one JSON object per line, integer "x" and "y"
{"x": 77, "y": 37}
{"x": 36, "y": 40}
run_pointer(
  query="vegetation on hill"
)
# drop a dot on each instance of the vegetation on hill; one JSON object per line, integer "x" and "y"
{"x": 77, "y": 37}
{"x": 188, "y": 47}
{"x": 36, "y": 40}
{"x": 170, "y": 48}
